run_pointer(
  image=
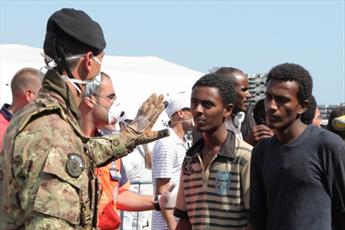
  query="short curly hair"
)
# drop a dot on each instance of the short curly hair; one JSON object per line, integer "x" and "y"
{"x": 224, "y": 86}
{"x": 293, "y": 72}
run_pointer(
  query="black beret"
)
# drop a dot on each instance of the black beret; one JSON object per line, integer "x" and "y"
{"x": 75, "y": 24}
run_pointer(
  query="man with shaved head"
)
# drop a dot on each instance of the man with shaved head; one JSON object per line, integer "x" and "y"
{"x": 239, "y": 122}
{"x": 24, "y": 86}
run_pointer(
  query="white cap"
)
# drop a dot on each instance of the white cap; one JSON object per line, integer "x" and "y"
{"x": 176, "y": 104}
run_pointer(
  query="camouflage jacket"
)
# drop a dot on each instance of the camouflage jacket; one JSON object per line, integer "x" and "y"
{"x": 48, "y": 165}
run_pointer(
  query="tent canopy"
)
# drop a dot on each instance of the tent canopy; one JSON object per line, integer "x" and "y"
{"x": 134, "y": 78}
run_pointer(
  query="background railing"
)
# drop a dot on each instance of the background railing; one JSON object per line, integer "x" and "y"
{"x": 138, "y": 220}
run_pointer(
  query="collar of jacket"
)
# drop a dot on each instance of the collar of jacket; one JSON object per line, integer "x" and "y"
{"x": 52, "y": 82}
{"x": 227, "y": 150}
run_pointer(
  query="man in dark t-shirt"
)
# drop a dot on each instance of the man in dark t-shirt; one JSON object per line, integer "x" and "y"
{"x": 298, "y": 175}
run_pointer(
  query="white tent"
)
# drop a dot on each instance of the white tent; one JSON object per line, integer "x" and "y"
{"x": 134, "y": 78}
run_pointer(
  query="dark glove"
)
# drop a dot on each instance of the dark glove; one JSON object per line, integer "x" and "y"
{"x": 139, "y": 130}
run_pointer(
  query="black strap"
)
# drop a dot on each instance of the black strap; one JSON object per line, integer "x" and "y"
{"x": 156, "y": 203}
{"x": 182, "y": 214}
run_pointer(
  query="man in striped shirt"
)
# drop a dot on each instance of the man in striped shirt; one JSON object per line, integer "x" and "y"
{"x": 214, "y": 184}
{"x": 168, "y": 155}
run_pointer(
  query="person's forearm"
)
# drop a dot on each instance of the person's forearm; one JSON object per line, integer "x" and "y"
{"x": 183, "y": 224}
{"x": 130, "y": 201}
{"x": 169, "y": 218}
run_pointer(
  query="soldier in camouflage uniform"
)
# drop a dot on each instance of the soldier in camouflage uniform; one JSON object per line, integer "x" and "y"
{"x": 48, "y": 165}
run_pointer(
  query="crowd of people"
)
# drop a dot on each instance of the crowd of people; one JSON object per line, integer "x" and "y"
{"x": 66, "y": 161}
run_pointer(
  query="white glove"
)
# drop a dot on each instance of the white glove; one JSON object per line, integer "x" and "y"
{"x": 168, "y": 199}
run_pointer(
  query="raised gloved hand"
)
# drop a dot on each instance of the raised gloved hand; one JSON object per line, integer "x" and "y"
{"x": 139, "y": 130}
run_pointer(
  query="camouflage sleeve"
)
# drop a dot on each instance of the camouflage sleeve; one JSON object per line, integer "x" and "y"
{"x": 106, "y": 149}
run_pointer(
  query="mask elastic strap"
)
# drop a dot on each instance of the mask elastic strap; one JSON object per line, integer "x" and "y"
{"x": 74, "y": 82}
{"x": 50, "y": 61}
{"x": 97, "y": 60}
{"x": 186, "y": 120}
{"x": 101, "y": 106}
{"x": 63, "y": 61}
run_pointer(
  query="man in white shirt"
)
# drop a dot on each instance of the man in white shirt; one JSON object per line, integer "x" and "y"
{"x": 167, "y": 158}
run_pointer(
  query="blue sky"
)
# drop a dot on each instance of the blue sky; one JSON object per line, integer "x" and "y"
{"x": 251, "y": 35}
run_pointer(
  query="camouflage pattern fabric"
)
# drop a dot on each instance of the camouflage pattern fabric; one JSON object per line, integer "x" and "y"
{"x": 48, "y": 165}
{"x": 47, "y": 222}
